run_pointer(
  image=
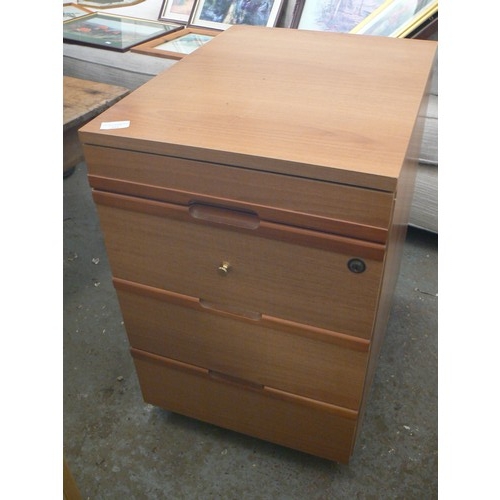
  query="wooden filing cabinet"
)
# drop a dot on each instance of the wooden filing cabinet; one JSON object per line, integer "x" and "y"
{"x": 253, "y": 200}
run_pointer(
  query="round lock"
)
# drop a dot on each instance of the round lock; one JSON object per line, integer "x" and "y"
{"x": 356, "y": 266}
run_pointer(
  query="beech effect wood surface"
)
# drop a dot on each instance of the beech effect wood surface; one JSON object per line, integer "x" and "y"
{"x": 325, "y": 105}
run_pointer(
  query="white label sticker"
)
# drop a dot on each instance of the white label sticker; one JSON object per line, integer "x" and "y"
{"x": 113, "y": 125}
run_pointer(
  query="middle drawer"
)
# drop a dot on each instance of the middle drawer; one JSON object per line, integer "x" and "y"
{"x": 263, "y": 352}
{"x": 272, "y": 269}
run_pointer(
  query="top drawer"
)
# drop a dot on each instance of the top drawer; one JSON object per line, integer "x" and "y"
{"x": 325, "y": 206}
{"x": 235, "y": 263}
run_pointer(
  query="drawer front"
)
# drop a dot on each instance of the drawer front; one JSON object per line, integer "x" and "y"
{"x": 319, "y": 429}
{"x": 302, "y": 362}
{"x": 348, "y": 210}
{"x": 238, "y": 270}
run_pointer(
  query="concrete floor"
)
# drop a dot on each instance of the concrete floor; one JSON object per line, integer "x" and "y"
{"x": 120, "y": 448}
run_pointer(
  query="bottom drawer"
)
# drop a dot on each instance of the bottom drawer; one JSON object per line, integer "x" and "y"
{"x": 303, "y": 424}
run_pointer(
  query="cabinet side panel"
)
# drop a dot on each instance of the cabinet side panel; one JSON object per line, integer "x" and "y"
{"x": 392, "y": 263}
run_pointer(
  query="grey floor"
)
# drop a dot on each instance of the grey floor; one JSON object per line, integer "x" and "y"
{"x": 120, "y": 448}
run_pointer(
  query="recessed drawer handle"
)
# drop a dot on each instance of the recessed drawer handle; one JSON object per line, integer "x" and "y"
{"x": 228, "y": 216}
{"x": 223, "y": 377}
{"x": 233, "y": 311}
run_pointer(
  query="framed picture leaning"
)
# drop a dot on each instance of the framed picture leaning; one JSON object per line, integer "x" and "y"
{"x": 113, "y": 32}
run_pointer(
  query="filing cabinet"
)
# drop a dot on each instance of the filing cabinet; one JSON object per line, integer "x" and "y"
{"x": 253, "y": 200}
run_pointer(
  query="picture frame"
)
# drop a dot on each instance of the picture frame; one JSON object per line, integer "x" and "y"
{"x": 72, "y": 10}
{"x": 339, "y": 16}
{"x": 397, "y": 18}
{"x": 177, "y": 11}
{"x": 108, "y": 4}
{"x": 178, "y": 44}
{"x": 221, "y": 14}
{"x": 113, "y": 32}
{"x": 427, "y": 29}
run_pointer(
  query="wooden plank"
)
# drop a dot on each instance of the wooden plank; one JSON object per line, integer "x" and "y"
{"x": 83, "y": 100}
{"x": 70, "y": 489}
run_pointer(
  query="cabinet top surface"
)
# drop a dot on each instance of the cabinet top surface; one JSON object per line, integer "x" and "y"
{"x": 331, "y": 106}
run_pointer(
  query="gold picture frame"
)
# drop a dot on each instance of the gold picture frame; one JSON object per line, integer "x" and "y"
{"x": 338, "y": 16}
{"x": 397, "y": 18}
{"x": 108, "y": 4}
{"x": 178, "y": 44}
